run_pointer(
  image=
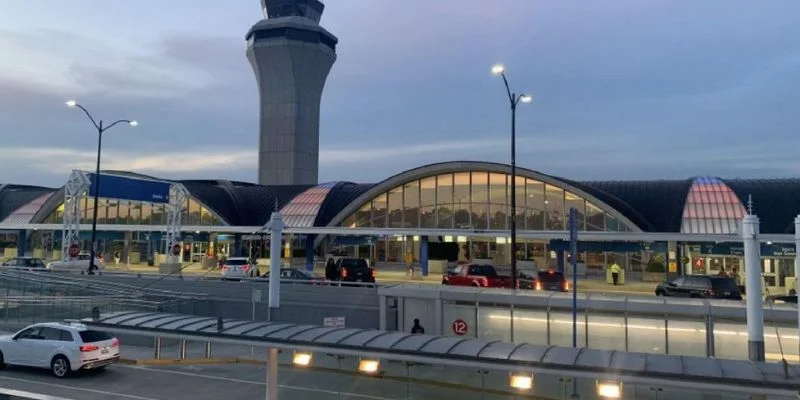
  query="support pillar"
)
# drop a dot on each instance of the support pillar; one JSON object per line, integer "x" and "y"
{"x": 560, "y": 260}
{"x": 275, "y": 229}
{"x": 797, "y": 265}
{"x": 237, "y": 245}
{"x": 423, "y": 255}
{"x": 272, "y": 373}
{"x": 755, "y": 308}
{"x": 22, "y": 242}
{"x": 310, "y": 252}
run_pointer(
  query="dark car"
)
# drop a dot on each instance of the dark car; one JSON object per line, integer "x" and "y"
{"x": 29, "y": 263}
{"x": 701, "y": 286}
{"x": 354, "y": 270}
{"x": 791, "y": 298}
{"x": 551, "y": 280}
{"x": 295, "y": 274}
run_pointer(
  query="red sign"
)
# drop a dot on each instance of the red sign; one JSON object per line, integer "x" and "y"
{"x": 176, "y": 249}
{"x": 74, "y": 250}
{"x": 460, "y": 327}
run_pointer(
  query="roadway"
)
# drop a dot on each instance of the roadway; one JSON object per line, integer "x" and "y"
{"x": 228, "y": 381}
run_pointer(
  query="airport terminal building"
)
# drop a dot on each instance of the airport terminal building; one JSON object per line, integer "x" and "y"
{"x": 459, "y": 202}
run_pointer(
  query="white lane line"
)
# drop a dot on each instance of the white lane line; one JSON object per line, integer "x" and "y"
{"x": 102, "y": 392}
{"x": 222, "y": 378}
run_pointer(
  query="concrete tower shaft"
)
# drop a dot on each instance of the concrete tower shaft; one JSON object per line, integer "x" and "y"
{"x": 291, "y": 56}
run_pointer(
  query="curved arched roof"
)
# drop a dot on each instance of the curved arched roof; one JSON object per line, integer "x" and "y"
{"x": 466, "y": 166}
{"x": 775, "y": 201}
{"x": 13, "y": 197}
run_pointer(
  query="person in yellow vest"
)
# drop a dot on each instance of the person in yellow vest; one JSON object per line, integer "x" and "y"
{"x": 615, "y": 270}
{"x": 409, "y": 259}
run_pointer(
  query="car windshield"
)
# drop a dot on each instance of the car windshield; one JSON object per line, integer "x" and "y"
{"x": 550, "y": 276}
{"x": 236, "y": 261}
{"x": 95, "y": 336}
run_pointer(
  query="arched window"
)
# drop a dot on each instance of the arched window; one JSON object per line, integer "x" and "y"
{"x": 125, "y": 212}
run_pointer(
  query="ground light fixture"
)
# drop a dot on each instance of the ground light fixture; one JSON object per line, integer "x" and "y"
{"x": 301, "y": 359}
{"x": 368, "y": 366}
{"x": 609, "y": 389}
{"x": 521, "y": 381}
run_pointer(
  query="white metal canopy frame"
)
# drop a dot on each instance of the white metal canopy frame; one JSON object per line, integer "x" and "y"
{"x": 699, "y": 373}
{"x": 75, "y": 190}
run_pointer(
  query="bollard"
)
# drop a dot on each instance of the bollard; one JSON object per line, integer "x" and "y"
{"x": 182, "y": 350}
{"x": 157, "y": 354}
{"x": 219, "y": 324}
{"x": 96, "y": 314}
{"x": 208, "y": 350}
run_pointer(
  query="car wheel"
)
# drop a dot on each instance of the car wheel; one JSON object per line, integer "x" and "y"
{"x": 2, "y": 361}
{"x": 659, "y": 293}
{"x": 60, "y": 367}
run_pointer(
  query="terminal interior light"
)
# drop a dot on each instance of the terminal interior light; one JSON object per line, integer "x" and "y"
{"x": 609, "y": 389}
{"x": 521, "y": 382}
{"x": 301, "y": 359}
{"x": 498, "y": 69}
{"x": 368, "y": 366}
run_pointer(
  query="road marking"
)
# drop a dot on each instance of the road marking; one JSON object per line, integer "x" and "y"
{"x": 221, "y": 378}
{"x": 102, "y": 392}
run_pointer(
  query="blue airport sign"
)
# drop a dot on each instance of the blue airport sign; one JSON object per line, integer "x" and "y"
{"x": 120, "y": 187}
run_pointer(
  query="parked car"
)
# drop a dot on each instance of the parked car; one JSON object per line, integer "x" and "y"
{"x": 296, "y": 274}
{"x": 238, "y": 268}
{"x": 477, "y": 275}
{"x": 354, "y": 270}
{"x": 782, "y": 299}
{"x": 78, "y": 264}
{"x": 27, "y": 263}
{"x": 551, "y": 280}
{"x": 61, "y": 347}
{"x": 701, "y": 286}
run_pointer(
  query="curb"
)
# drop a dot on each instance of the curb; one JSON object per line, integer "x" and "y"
{"x": 186, "y": 361}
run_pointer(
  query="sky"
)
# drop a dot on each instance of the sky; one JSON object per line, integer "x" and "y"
{"x": 622, "y": 89}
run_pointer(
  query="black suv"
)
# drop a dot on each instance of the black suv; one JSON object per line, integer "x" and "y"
{"x": 701, "y": 286}
{"x": 354, "y": 270}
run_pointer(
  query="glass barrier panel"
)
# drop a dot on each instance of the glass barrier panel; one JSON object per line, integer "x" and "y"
{"x": 606, "y": 332}
{"x": 646, "y": 335}
{"x": 687, "y": 338}
{"x": 494, "y": 323}
{"x": 786, "y": 348}
{"x": 459, "y": 321}
{"x": 530, "y": 326}
{"x": 561, "y": 329}
{"x": 730, "y": 340}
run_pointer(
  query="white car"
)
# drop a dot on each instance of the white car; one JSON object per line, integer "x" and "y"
{"x": 238, "y": 268}
{"x": 61, "y": 347}
{"x": 79, "y": 264}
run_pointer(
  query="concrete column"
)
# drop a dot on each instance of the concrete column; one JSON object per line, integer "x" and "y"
{"x": 423, "y": 255}
{"x": 310, "y": 252}
{"x": 22, "y": 242}
{"x": 560, "y": 260}
{"x": 237, "y": 245}
{"x": 755, "y": 308}
{"x": 272, "y": 373}
{"x": 275, "y": 229}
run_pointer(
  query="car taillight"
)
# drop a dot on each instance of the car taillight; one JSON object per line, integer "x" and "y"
{"x": 372, "y": 272}
{"x": 88, "y": 347}
{"x": 115, "y": 342}
{"x": 245, "y": 268}
{"x": 538, "y": 285}
{"x": 224, "y": 267}
{"x": 711, "y": 292}
{"x": 566, "y": 285}
{"x": 343, "y": 272}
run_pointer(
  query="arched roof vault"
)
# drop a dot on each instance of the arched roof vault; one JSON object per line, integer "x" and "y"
{"x": 469, "y": 166}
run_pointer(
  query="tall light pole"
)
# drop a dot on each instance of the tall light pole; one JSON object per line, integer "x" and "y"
{"x": 514, "y": 99}
{"x": 100, "y": 129}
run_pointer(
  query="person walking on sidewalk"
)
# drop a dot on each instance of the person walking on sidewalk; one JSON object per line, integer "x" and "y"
{"x": 409, "y": 259}
{"x": 615, "y": 270}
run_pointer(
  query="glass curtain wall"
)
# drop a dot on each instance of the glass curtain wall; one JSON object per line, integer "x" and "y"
{"x": 124, "y": 212}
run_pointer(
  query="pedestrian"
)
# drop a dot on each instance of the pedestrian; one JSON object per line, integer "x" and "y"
{"x": 330, "y": 270}
{"x": 417, "y": 328}
{"x": 117, "y": 258}
{"x": 615, "y": 271}
{"x": 409, "y": 259}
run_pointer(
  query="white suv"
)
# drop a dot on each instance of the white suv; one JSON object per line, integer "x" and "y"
{"x": 61, "y": 347}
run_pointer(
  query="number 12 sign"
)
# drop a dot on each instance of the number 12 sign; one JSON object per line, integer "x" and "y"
{"x": 460, "y": 327}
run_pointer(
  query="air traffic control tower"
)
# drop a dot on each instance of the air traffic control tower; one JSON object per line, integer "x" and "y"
{"x": 291, "y": 56}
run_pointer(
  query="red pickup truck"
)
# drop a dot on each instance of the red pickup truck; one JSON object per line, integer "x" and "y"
{"x": 476, "y": 275}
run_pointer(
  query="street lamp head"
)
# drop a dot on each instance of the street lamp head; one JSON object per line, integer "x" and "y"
{"x": 133, "y": 123}
{"x": 525, "y": 98}
{"x": 498, "y": 69}
{"x": 71, "y": 103}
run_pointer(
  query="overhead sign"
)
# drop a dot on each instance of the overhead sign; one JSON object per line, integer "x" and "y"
{"x": 120, "y": 187}
{"x": 334, "y": 322}
{"x": 460, "y": 327}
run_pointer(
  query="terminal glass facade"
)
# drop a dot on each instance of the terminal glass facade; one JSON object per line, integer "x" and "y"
{"x": 126, "y": 212}
{"x": 479, "y": 200}
{"x": 711, "y": 207}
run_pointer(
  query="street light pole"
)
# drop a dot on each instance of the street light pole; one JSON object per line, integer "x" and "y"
{"x": 100, "y": 130}
{"x": 514, "y": 99}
